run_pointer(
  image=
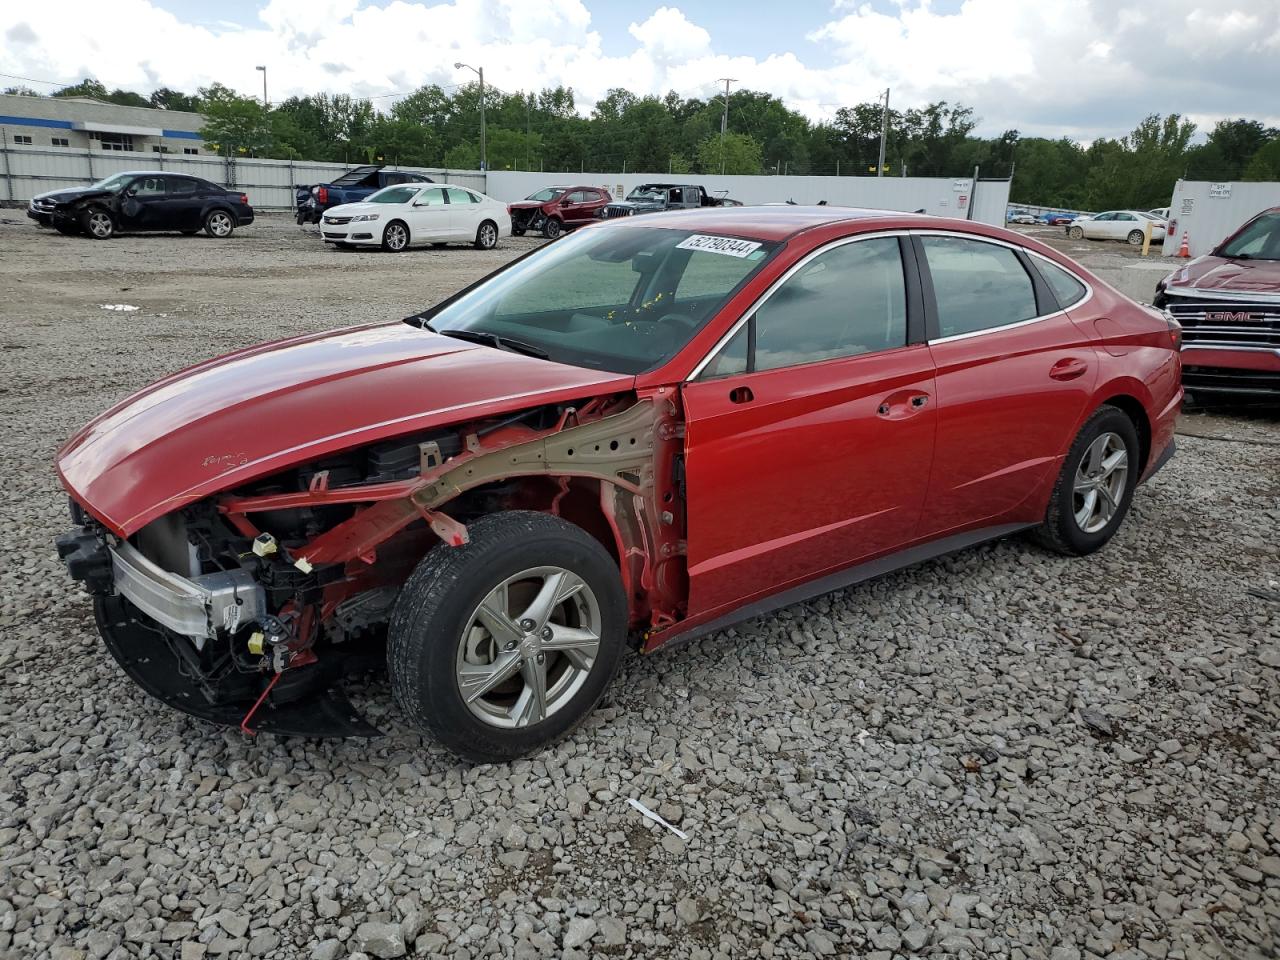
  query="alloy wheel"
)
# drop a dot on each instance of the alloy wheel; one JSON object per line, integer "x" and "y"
{"x": 528, "y": 648}
{"x": 488, "y": 236}
{"x": 397, "y": 237}
{"x": 100, "y": 224}
{"x": 219, "y": 224}
{"x": 1100, "y": 482}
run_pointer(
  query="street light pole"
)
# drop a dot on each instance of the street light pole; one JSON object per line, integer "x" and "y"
{"x": 724, "y": 118}
{"x": 265, "y": 103}
{"x": 484, "y": 163}
{"x": 884, "y": 131}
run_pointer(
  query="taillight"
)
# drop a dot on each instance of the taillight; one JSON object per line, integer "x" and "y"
{"x": 322, "y": 194}
{"x": 244, "y": 198}
{"x": 1175, "y": 330}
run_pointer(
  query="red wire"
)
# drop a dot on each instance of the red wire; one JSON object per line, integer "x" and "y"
{"x": 244, "y": 724}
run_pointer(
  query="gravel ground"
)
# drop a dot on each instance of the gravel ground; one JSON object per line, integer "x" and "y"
{"x": 998, "y": 754}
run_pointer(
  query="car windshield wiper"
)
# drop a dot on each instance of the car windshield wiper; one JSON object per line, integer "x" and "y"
{"x": 492, "y": 340}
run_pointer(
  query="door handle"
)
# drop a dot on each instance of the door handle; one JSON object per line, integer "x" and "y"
{"x": 741, "y": 395}
{"x": 1068, "y": 368}
{"x": 898, "y": 406}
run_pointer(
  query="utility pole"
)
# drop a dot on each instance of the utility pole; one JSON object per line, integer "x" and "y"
{"x": 266, "y": 104}
{"x": 484, "y": 157}
{"x": 528, "y": 112}
{"x": 884, "y": 132}
{"x": 724, "y": 119}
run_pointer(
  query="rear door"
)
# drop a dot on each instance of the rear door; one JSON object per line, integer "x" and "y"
{"x": 184, "y": 202}
{"x": 810, "y": 428}
{"x": 465, "y": 213}
{"x": 1014, "y": 375}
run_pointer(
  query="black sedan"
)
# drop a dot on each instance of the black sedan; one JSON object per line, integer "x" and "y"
{"x": 143, "y": 200}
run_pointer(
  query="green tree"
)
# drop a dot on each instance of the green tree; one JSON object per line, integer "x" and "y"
{"x": 1265, "y": 164}
{"x": 20, "y": 92}
{"x": 88, "y": 87}
{"x": 235, "y": 124}
{"x": 740, "y": 154}
{"x": 166, "y": 99}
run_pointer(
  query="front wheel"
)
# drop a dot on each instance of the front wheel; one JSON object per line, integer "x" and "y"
{"x": 552, "y": 228}
{"x": 218, "y": 224}
{"x": 517, "y": 231}
{"x": 487, "y": 235}
{"x": 1076, "y": 233}
{"x": 1095, "y": 488}
{"x": 98, "y": 223}
{"x": 395, "y": 237}
{"x": 504, "y": 645}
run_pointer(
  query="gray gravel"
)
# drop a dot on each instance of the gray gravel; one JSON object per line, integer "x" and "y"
{"x": 999, "y": 754}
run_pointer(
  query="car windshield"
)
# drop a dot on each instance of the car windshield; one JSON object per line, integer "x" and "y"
{"x": 393, "y": 195}
{"x": 623, "y": 299}
{"x": 1259, "y": 240}
{"x": 113, "y": 182}
{"x": 645, "y": 193}
{"x": 542, "y": 196}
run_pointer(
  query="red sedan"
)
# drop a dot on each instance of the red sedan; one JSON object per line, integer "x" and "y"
{"x": 645, "y": 431}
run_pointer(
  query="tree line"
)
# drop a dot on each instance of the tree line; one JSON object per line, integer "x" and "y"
{"x": 438, "y": 127}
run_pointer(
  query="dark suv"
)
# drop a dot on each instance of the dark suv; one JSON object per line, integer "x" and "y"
{"x": 554, "y": 209}
{"x": 658, "y": 197}
{"x": 143, "y": 200}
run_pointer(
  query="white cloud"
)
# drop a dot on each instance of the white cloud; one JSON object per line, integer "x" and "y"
{"x": 1080, "y": 68}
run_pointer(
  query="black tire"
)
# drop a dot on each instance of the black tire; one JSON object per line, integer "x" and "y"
{"x": 395, "y": 236}
{"x": 98, "y": 223}
{"x": 486, "y": 235}
{"x": 67, "y": 229}
{"x": 1060, "y": 531}
{"x": 435, "y": 606}
{"x": 1075, "y": 233}
{"x": 1135, "y": 237}
{"x": 219, "y": 224}
{"x": 552, "y": 228}
{"x": 517, "y": 231}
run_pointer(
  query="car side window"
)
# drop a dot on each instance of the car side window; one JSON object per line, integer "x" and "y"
{"x": 847, "y": 301}
{"x": 1104, "y": 216}
{"x": 1066, "y": 288}
{"x": 181, "y": 187}
{"x": 433, "y": 197}
{"x": 474, "y": 197}
{"x": 578, "y": 196}
{"x": 978, "y": 285}
{"x": 1125, "y": 216}
{"x": 147, "y": 187}
{"x": 457, "y": 195}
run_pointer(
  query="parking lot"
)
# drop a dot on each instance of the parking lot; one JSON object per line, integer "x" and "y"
{"x": 1001, "y": 753}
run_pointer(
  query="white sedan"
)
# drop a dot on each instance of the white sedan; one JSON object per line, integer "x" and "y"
{"x": 1128, "y": 225}
{"x": 396, "y": 218}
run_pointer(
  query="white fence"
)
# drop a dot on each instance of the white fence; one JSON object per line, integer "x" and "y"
{"x": 1211, "y": 212}
{"x": 27, "y": 171}
{"x": 946, "y": 197}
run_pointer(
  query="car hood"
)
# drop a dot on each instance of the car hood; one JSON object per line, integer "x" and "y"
{"x": 528, "y": 204}
{"x": 72, "y": 193}
{"x": 355, "y": 209}
{"x": 1228, "y": 276}
{"x": 251, "y": 413}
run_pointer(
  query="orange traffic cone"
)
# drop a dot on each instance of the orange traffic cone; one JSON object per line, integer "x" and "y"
{"x": 1184, "y": 251}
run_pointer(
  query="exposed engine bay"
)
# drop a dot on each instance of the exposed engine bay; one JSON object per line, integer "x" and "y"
{"x": 250, "y": 606}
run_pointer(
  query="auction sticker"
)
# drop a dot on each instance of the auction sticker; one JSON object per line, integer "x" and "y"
{"x": 728, "y": 246}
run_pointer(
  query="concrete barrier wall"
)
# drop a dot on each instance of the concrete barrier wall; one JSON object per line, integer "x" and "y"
{"x": 1211, "y": 212}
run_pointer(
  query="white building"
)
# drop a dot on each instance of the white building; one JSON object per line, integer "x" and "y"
{"x": 88, "y": 124}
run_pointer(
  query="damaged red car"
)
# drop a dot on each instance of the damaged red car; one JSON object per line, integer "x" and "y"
{"x": 643, "y": 432}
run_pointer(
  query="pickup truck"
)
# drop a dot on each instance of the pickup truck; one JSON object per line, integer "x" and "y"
{"x": 352, "y": 187}
{"x": 657, "y": 197}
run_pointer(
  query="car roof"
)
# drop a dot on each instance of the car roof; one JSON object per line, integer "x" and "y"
{"x": 777, "y": 223}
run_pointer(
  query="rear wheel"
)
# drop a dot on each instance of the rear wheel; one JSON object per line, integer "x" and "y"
{"x": 1076, "y": 233}
{"x": 218, "y": 224}
{"x": 487, "y": 235}
{"x": 98, "y": 223}
{"x": 552, "y": 228}
{"x": 1095, "y": 488}
{"x": 504, "y": 645}
{"x": 1135, "y": 237}
{"x": 395, "y": 237}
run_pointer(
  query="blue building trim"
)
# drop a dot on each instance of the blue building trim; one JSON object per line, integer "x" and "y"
{"x": 182, "y": 135}
{"x": 37, "y": 122}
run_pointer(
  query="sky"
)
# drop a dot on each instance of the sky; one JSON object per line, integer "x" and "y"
{"x": 1076, "y": 68}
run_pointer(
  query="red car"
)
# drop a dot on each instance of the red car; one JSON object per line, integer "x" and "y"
{"x": 1228, "y": 303}
{"x": 647, "y": 431}
{"x": 553, "y": 210}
